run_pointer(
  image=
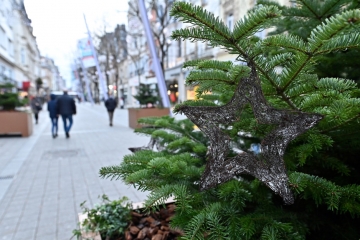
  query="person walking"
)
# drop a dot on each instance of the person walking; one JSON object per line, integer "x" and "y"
{"x": 53, "y": 115}
{"x": 66, "y": 108}
{"x": 110, "y": 105}
{"x": 36, "y": 108}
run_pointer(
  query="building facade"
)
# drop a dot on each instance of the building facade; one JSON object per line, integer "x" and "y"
{"x": 27, "y": 54}
{"x": 19, "y": 53}
{"x": 50, "y": 75}
{"x": 20, "y": 59}
{"x": 7, "y": 42}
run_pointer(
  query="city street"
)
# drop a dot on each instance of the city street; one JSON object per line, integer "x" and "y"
{"x": 44, "y": 180}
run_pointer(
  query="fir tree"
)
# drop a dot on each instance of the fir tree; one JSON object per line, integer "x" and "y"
{"x": 305, "y": 15}
{"x": 9, "y": 99}
{"x": 147, "y": 95}
{"x": 321, "y": 164}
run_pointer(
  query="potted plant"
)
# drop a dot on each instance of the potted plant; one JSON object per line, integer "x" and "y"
{"x": 107, "y": 220}
{"x": 148, "y": 99}
{"x": 13, "y": 122}
{"x": 120, "y": 219}
{"x": 39, "y": 83}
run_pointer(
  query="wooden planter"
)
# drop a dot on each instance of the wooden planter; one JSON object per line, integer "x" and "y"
{"x": 14, "y": 123}
{"x": 136, "y": 113}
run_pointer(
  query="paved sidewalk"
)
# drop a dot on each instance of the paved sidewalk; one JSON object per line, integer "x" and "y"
{"x": 44, "y": 180}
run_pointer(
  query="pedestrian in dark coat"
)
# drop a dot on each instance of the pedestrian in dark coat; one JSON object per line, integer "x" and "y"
{"x": 52, "y": 108}
{"x": 66, "y": 108}
{"x": 36, "y": 107}
{"x": 110, "y": 105}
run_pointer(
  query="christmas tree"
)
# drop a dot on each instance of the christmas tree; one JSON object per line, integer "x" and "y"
{"x": 276, "y": 157}
{"x": 306, "y": 15}
{"x": 147, "y": 95}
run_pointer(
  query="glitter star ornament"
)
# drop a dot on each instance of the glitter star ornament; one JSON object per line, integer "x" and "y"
{"x": 268, "y": 166}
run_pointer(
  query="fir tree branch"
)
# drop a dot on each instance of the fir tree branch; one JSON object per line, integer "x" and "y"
{"x": 196, "y": 34}
{"x": 340, "y": 43}
{"x": 278, "y": 89}
{"x": 330, "y": 7}
{"x": 191, "y": 82}
{"x": 196, "y": 17}
{"x": 307, "y": 5}
{"x": 255, "y": 21}
{"x": 296, "y": 73}
{"x": 287, "y": 42}
{"x": 214, "y": 64}
{"x": 214, "y": 75}
{"x": 337, "y": 198}
{"x": 320, "y": 35}
{"x": 341, "y": 124}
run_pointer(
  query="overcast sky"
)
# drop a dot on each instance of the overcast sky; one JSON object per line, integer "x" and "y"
{"x": 58, "y": 24}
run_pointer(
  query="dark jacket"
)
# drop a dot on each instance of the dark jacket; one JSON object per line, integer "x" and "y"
{"x": 110, "y": 104}
{"x": 65, "y": 105}
{"x": 52, "y": 106}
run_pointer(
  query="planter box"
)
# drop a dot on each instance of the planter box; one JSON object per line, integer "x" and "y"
{"x": 136, "y": 113}
{"x": 15, "y": 123}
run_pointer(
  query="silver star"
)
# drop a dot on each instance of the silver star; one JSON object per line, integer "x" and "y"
{"x": 268, "y": 166}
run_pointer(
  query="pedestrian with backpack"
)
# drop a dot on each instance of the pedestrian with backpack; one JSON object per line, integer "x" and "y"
{"x": 110, "y": 105}
{"x": 66, "y": 108}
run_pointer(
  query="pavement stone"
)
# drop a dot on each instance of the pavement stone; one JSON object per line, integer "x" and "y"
{"x": 49, "y": 178}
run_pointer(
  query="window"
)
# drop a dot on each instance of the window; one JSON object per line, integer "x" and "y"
{"x": 9, "y": 18}
{"x": 179, "y": 49}
{"x": 2, "y": 70}
{"x": 135, "y": 42}
{"x": 10, "y": 48}
{"x": 23, "y": 56}
{"x": 230, "y": 21}
{"x": 3, "y": 38}
{"x": 10, "y": 73}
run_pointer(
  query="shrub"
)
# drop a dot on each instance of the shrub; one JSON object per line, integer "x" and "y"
{"x": 110, "y": 218}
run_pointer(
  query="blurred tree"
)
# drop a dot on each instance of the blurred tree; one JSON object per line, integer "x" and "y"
{"x": 38, "y": 83}
{"x": 113, "y": 48}
{"x": 160, "y": 21}
{"x": 147, "y": 95}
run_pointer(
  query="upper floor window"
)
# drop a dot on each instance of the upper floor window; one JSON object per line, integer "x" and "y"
{"x": 23, "y": 56}
{"x": 3, "y": 38}
{"x": 230, "y": 21}
{"x": 179, "y": 49}
{"x": 2, "y": 70}
{"x": 9, "y": 18}
{"x": 135, "y": 43}
{"x": 10, "y": 48}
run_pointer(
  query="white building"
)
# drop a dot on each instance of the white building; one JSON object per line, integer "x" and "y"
{"x": 7, "y": 53}
{"x": 138, "y": 60}
{"x": 49, "y": 75}
{"x": 19, "y": 53}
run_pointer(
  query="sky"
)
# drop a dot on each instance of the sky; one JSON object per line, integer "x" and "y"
{"x": 59, "y": 24}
